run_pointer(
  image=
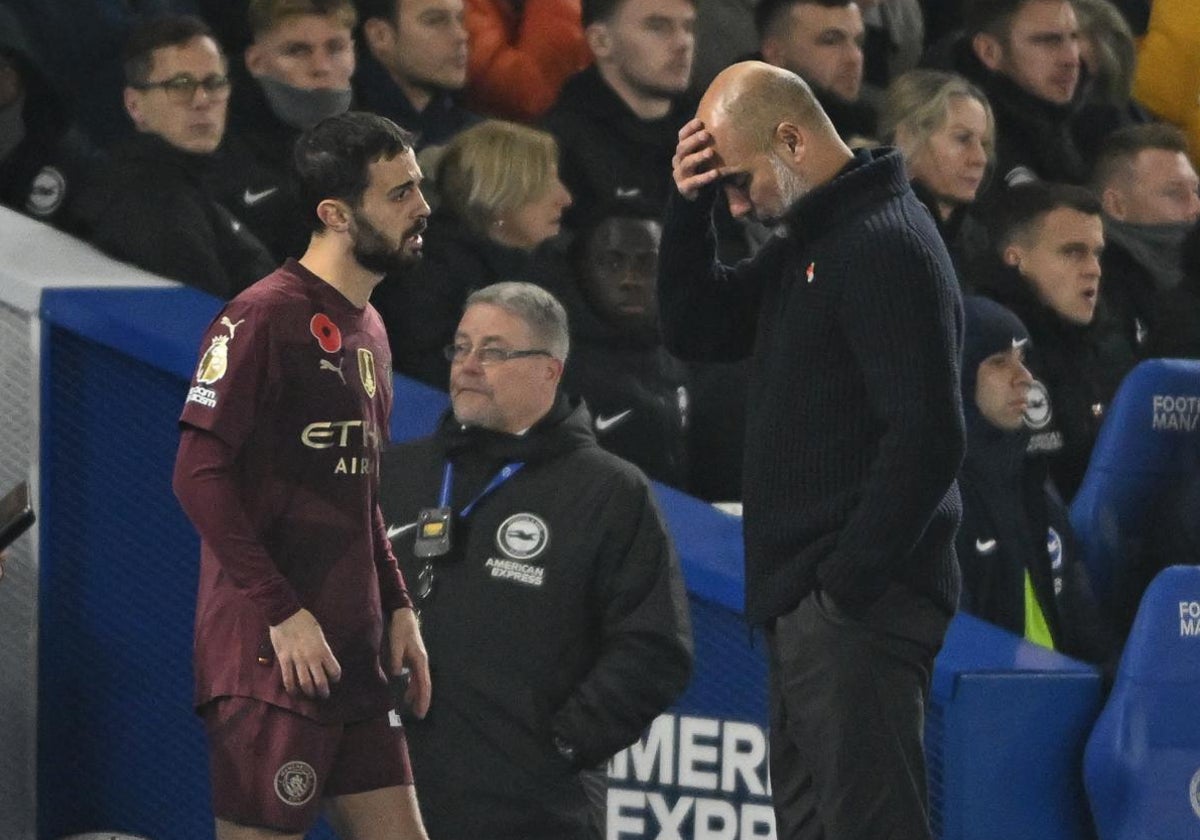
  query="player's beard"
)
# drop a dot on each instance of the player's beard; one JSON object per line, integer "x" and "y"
{"x": 375, "y": 252}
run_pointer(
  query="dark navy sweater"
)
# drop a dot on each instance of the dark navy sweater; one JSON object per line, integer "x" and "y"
{"x": 855, "y": 429}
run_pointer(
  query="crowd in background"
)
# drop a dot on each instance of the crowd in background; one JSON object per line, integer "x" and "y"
{"x": 1054, "y": 143}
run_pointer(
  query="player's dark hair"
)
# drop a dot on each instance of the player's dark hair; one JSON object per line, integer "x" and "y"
{"x": 333, "y": 158}
{"x": 137, "y": 56}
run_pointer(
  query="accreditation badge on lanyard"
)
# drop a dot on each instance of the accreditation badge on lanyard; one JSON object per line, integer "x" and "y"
{"x": 434, "y": 524}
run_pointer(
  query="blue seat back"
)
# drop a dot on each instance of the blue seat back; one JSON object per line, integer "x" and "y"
{"x": 1150, "y": 436}
{"x": 1142, "y": 762}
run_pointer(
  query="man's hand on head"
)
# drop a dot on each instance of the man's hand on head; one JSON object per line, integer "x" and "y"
{"x": 693, "y": 167}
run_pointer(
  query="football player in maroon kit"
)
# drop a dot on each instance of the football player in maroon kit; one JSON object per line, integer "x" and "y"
{"x": 302, "y": 614}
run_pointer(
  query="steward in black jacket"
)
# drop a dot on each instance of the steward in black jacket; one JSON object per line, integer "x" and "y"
{"x": 152, "y": 206}
{"x": 557, "y": 626}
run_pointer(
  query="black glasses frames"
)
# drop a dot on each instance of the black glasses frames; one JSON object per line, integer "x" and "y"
{"x": 182, "y": 88}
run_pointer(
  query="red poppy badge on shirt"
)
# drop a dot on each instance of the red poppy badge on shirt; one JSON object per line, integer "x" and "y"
{"x": 326, "y": 332}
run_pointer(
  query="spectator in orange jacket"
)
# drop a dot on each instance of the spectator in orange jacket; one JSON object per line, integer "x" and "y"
{"x": 521, "y": 52}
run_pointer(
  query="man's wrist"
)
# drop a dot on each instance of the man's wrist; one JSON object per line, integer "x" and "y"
{"x": 408, "y": 608}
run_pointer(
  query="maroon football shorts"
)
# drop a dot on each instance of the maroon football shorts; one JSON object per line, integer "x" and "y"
{"x": 272, "y": 768}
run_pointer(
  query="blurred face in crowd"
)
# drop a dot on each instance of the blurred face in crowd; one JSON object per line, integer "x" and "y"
{"x": 951, "y": 163}
{"x": 506, "y": 396}
{"x": 648, "y": 46}
{"x": 187, "y": 115}
{"x": 1160, "y": 188}
{"x": 822, "y": 45}
{"x": 1061, "y": 261}
{"x": 534, "y": 222}
{"x": 1002, "y": 388}
{"x": 424, "y": 48}
{"x": 1041, "y": 52}
{"x": 619, "y": 271}
{"x": 387, "y": 224}
{"x": 309, "y": 52}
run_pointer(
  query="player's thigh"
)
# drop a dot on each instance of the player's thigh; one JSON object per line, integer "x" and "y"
{"x": 268, "y": 766}
{"x": 389, "y": 813}
{"x": 232, "y": 831}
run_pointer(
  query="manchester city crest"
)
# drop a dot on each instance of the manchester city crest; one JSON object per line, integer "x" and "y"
{"x": 295, "y": 783}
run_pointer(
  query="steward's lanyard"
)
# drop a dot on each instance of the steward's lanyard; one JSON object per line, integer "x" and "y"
{"x": 507, "y": 472}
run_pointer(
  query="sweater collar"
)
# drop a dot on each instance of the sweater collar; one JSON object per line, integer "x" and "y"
{"x": 869, "y": 177}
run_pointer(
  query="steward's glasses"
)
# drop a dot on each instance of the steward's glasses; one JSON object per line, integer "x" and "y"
{"x": 488, "y": 356}
{"x": 181, "y": 89}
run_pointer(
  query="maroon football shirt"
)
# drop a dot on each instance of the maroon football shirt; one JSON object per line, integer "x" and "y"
{"x": 297, "y": 382}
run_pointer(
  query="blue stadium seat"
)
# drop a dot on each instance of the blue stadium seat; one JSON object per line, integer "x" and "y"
{"x": 1142, "y": 762}
{"x": 1150, "y": 436}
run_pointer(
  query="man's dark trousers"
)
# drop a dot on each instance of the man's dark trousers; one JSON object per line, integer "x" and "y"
{"x": 847, "y": 696}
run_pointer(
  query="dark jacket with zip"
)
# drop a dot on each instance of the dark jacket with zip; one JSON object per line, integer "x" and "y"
{"x": 1015, "y": 523}
{"x": 153, "y": 206}
{"x": 559, "y": 614}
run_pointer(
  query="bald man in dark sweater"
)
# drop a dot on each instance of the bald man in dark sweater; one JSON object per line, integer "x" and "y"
{"x": 852, "y": 321}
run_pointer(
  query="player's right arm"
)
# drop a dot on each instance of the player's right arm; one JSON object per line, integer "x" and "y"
{"x": 209, "y": 495}
{"x": 225, "y": 404}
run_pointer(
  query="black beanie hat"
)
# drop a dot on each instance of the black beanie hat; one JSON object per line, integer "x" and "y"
{"x": 990, "y": 329}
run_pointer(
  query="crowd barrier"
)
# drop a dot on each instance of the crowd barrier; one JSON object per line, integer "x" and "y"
{"x": 100, "y": 609}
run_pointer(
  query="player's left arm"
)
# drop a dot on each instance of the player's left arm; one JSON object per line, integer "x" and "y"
{"x": 405, "y": 645}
